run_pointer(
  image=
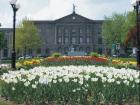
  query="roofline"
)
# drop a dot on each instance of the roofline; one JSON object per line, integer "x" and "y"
{"x": 99, "y": 21}
{"x": 74, "y": 14}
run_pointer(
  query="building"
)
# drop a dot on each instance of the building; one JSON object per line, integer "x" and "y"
{"x": 72, "y": 31}
{"x": 6, "y": 51}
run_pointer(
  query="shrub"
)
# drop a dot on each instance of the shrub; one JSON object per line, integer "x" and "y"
{"x": 94, "y": 54}
{"x": 56, "y": 55}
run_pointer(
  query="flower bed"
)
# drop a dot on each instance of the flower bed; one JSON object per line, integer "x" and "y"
{"x": 71, "y": 85}
{"x": 61, "y": 61}
{"x": 76, "y": 60}
{"x": 124, "y": 62}
{"x": 66, "y": 58}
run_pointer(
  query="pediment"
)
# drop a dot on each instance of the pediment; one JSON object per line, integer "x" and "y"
{"x": 73, "y": 18}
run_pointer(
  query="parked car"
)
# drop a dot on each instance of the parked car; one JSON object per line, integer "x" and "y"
{"x": 26, "y": 57}
{"x": 124, "y": 55}
{"x": 114, "y": 55}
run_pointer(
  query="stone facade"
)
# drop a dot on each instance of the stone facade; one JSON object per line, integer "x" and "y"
{"x": 6, "y": 51}
{"x": 72, "y": 31}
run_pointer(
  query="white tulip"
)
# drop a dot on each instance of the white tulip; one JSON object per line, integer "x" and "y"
{"x": 34, "y": 86}
{"x": 13, "y": 88}
{"x": 27, "y": 83}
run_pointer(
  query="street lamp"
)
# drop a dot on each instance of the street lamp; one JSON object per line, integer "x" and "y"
{"x": 15, "y": 8}
{"x": 136, "y": 4}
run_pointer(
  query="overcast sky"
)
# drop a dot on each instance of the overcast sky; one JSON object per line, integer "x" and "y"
{"x": 54, "y": 9}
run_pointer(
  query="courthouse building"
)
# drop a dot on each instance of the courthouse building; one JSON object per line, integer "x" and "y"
{"x": 71, "y": 31}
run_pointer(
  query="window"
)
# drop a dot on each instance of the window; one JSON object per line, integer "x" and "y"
{"x": 59, "y": 30}
{"x": 5, "y": 52}
{"x": 47, "y": 30}
{"x": 81, "y": 31}
{"x": 88, "y": 31}
{"x": 88, "y": 40}
{"x": 66, "y": 32}
{"x": 81, "y": 40}
{"x": 73, "y": 30}
{"x": 73, "y": 40}
{"x": 6, "y": 43}
{"x": 66, "y": 40}
{"x": 99, "y": 32}
{"x": 59, "y": 40}
{"x": 39, "y": 30}
{"x": 100, "y": 40}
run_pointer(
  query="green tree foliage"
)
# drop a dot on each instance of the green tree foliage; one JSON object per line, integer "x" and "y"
{"x": 116, "y": 27}
{"x": 27, "y": 36}
{"x": 130, "y": 20}
{"x": 129, "y": 23}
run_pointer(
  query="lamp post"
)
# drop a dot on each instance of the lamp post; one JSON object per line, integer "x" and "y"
{"x": 15, "y": 8}
{"x": 136, "y": 4}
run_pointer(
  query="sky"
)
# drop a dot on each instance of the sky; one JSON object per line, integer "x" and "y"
{"x": 55, "y": 9}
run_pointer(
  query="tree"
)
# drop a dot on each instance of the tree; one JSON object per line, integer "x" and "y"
{"x": 130, "y": 20}
{"x": 112, "y": 29}
{"x": 116, "y": 27}
{"x": 1, "y": 43}
{"x": 27, "y": 37}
